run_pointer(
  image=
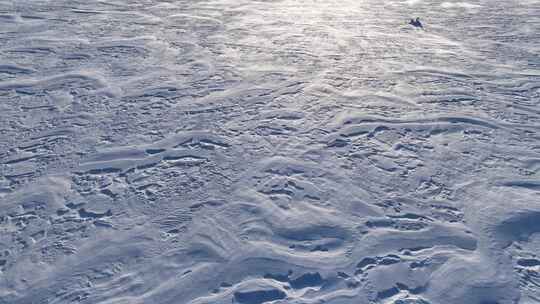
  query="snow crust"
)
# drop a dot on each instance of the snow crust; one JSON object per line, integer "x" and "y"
{"x": 269, "y": 152}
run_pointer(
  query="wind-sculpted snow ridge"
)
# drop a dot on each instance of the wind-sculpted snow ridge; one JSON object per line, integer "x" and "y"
{"x": 266, "y": 152}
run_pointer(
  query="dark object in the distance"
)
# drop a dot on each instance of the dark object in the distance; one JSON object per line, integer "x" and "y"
{"x": 416, "y": 23}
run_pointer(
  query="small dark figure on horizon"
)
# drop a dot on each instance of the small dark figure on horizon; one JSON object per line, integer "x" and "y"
{"x": 416, "y": 23}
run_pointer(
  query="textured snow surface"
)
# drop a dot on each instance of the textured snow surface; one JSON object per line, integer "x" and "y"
{"x": 278, "y": 151}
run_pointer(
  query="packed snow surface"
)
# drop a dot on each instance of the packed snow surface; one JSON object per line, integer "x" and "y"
{"x": 279, "y": 151}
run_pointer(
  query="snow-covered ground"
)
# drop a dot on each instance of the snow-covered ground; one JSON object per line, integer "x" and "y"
{"x": 280, "y": 151}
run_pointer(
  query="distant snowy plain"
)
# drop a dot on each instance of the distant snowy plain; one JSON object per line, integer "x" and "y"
{"x": 269, "y": 152}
